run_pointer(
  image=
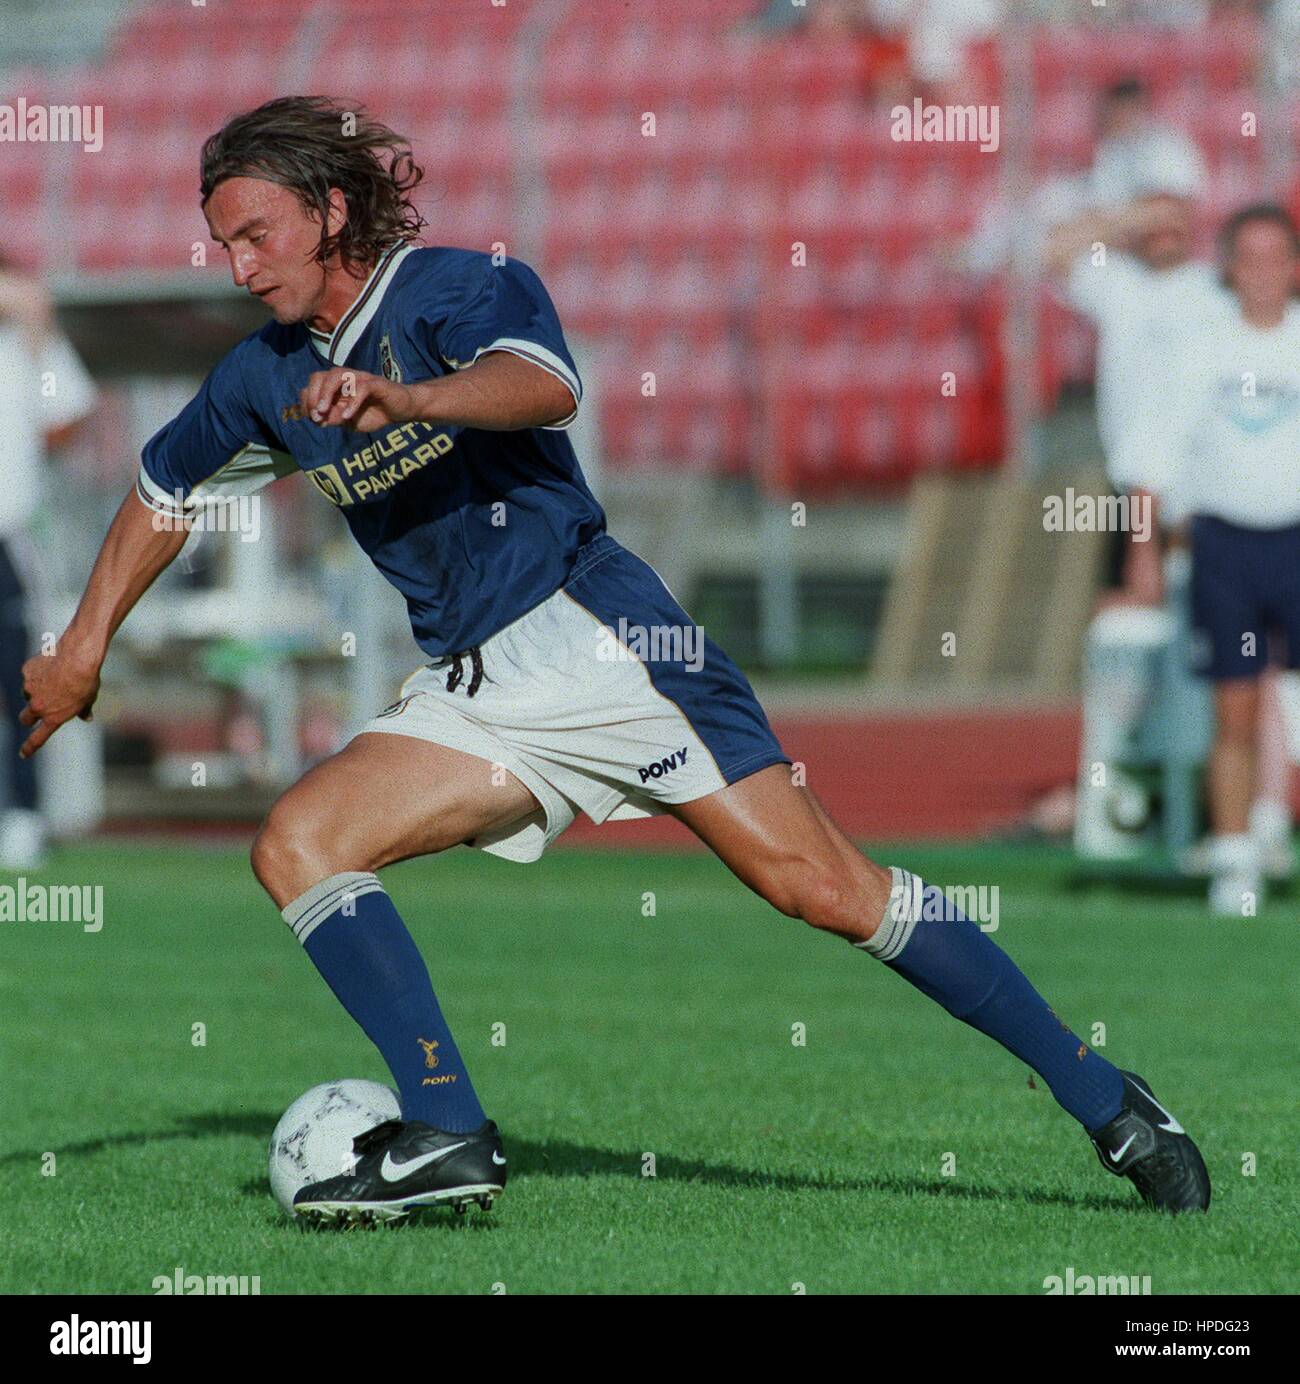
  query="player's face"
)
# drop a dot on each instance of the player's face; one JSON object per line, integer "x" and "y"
{"x": 1263, "y": 267}
{"x": 271, "y": 239}
{"x": 1169, "y": 241}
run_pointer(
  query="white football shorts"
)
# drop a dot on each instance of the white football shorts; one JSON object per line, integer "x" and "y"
{"x": 606, "y": 698}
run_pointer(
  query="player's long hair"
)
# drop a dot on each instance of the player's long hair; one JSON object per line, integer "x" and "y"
{"x": 310, "y": 144}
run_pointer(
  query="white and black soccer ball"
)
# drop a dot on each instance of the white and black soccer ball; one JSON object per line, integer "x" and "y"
{"x": 313, "y": 1140}
{"x": 1128, "y": 805}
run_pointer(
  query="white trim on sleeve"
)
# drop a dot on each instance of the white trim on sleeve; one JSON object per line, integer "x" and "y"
{"x": 248, "y": 471}
{"x": 159, "y": 500}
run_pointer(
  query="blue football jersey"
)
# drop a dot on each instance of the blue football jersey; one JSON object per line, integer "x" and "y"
{"x": 474, "y": 528}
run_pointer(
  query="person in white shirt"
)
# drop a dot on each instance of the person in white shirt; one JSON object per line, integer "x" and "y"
{"x": 47, "y": 393}
{"x": 1129, "y": 270}
{"x": 1226, "y": 453}
{"x": 1138, "y": 155}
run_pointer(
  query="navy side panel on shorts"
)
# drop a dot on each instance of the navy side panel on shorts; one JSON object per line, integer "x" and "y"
{"x": 629, "y": 598}
{"x": 1244, "y": 581}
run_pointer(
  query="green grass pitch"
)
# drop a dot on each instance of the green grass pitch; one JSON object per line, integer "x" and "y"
{"x": 776, "y": 1164}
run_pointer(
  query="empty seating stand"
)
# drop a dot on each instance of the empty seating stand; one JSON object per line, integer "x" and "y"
{"x": 757, "y": 271}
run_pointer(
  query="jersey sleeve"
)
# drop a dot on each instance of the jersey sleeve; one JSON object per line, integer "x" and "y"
{"x": 511, "y": 312}
{"x": 216, "y": 447}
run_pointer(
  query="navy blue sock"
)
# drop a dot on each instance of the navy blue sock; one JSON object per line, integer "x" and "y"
{"x": 356, "y": 939}
{"x": 932, "y": 944}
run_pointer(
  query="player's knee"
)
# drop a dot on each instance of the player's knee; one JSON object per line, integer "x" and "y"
{"x": 814, "y": 892}
{"x": 270, "y": 853}
{"x": 291, "y": 851}
{"x": 828, "y": 904}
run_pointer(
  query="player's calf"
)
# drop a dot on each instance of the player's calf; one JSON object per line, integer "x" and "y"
{"x": 783, "y": 844}
{"x": 384, "y": 798}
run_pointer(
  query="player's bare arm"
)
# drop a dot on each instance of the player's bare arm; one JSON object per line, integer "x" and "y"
{"x": 64, "y": 684}
{"x": 1119, "y": 228}
{"x": 500, "y": 392}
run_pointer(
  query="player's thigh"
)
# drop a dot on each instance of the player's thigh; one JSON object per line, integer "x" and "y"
{"x": 779, "y": 840}
{"x": 381, "y": 799}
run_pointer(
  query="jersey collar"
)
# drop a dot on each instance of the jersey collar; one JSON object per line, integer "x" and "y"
{"x": 337, "y": 345}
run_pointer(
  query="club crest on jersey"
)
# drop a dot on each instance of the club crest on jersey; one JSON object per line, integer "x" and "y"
{"x": 326, "y": 479}
{"x": 388, "y": 362}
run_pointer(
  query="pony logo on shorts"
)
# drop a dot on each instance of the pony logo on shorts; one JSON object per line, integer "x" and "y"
{"x": 663, "y": 766}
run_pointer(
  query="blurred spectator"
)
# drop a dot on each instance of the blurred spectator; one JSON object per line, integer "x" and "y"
{"x": 47, "y": 393}
{"x": 1284, "y": 42}
{"x": 905, "y": 46}
{"x": 1130, "y": 271}
{"x": 1137, "y": 152}
{"x": 844, "y": 16}
{"x": 940, "y": 33}
{"x": 1171, "y": 14}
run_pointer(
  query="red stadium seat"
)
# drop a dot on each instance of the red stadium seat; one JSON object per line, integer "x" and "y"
{"x": 673, "y": 249}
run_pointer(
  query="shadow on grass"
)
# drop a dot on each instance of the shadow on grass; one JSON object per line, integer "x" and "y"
{"x": 253, "y": 1122}
{"x": 1167, "y": 885}
{"x": 560, "y": 1158}
{"x": 557, "y": 1158}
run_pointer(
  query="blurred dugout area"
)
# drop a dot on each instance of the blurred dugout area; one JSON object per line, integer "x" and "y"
{"x": 777, "y": 378}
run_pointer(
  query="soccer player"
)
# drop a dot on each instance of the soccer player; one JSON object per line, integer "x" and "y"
{"x": 1230, "y": 444}
{"x": 425, "y": 392}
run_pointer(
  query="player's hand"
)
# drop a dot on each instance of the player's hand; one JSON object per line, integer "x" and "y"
{"x": 353, "y": 399}
{"x": 58, "y": 687}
